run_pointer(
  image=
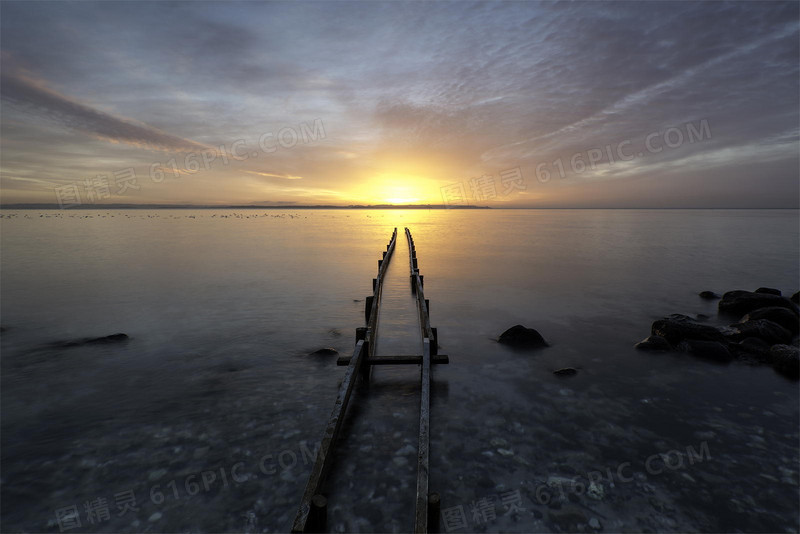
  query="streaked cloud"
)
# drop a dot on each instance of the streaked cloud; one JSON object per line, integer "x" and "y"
{"x": 35, "y": 98}
{"x": 275, "y": 175}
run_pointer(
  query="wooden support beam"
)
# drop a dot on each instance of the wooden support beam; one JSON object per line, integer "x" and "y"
{"x": 400, "y": 359}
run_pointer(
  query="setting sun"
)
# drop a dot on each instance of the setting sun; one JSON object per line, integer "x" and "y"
{"x": 403, "y": 188}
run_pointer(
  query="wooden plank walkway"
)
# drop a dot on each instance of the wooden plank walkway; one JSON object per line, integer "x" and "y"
{"x": 312, "y": 512}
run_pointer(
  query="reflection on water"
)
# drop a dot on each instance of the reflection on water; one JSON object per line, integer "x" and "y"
{"x": 207, "y": 416}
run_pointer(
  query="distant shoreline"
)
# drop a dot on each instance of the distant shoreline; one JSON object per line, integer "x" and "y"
{"x": 235, "y": 207}
{"x": 330, "y": 207}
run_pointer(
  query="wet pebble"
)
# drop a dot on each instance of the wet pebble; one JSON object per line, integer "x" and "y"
{"x": 157, "y": 474}
{"x": 155, "y": 517}
{"x": 407, "y": 450}
{"x": 595, "y": 491}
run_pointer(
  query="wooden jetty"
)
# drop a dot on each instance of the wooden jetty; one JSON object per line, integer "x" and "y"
{"x": 312, "y": 513}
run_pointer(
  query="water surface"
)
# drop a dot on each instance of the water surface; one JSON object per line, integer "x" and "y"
{"x": 208, "y": 415}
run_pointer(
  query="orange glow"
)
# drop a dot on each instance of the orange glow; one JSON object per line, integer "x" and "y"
{"x": 402, "y": 188}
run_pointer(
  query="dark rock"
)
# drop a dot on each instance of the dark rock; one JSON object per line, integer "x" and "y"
{"x": 751, "y": 350}
{"x": 781, "y": 316}
{"x": 654, "y": 344}
{"x": 786, "y": 360}
{"x": 327, "y": 351}
{"x": 770, "y": 332}
{"x": 709, "y": 295}
{"x": 755, "y": 343}
{"x": 524, "y": 338}
{"x": 796, "y": 297}
{"x": 676, "y": 328}
{"x": 740, "y": 302}
{"x": 566, "y": 371}
{"x": 769, "y": 291}
{"x": 702, "y": 317}
{"x": 708, "y": 350}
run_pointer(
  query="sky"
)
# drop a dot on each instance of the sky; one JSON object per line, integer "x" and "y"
{"x": 503, "y": 104}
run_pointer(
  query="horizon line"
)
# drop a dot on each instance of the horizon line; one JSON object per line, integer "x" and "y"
{"x": 34, "y": 206}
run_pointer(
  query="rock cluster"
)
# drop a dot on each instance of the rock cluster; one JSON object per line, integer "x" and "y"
{"x": 767, "y": 331}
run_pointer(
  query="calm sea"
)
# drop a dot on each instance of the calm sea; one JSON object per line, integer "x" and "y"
{"x": 205, "y": 419}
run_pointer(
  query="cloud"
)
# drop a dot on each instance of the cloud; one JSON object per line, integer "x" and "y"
{"x": 275, "y": 175}
{"x": 404, "y": 91}
{"x": 28, "y": 94}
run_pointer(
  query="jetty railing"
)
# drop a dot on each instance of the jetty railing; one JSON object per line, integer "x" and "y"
{"x": 312, "y": 513}
{"x": 427, "y": 505}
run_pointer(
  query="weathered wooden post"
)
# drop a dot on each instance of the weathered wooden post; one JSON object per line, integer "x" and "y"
{"x": 434, "y": 512}
{"x": 361, "y": 333}
{"x": 318, "y": 514}
{"x": 368, "y": 307}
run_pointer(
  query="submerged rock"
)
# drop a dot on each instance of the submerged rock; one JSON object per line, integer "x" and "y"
{"x": 113, "y": 338}
{"x": 653, "y": 344}
{"x": 764, "y": 329}
{"x": 769, "y": 291}
{"x": 676, "y": 328}
{"x": 566, "y": 371}
{"x": 521, "y": 337}
{"x": 326, "y": 351}
{"x": 751, "y": 350}
{"x": 709, "y": 295}
{"x": 710, "y": 350}
{"x": 782, "y": 316}
{"x": 740, "y": 302}
{"x": 786, "y": 360}
{"x": 567, "y": 518}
